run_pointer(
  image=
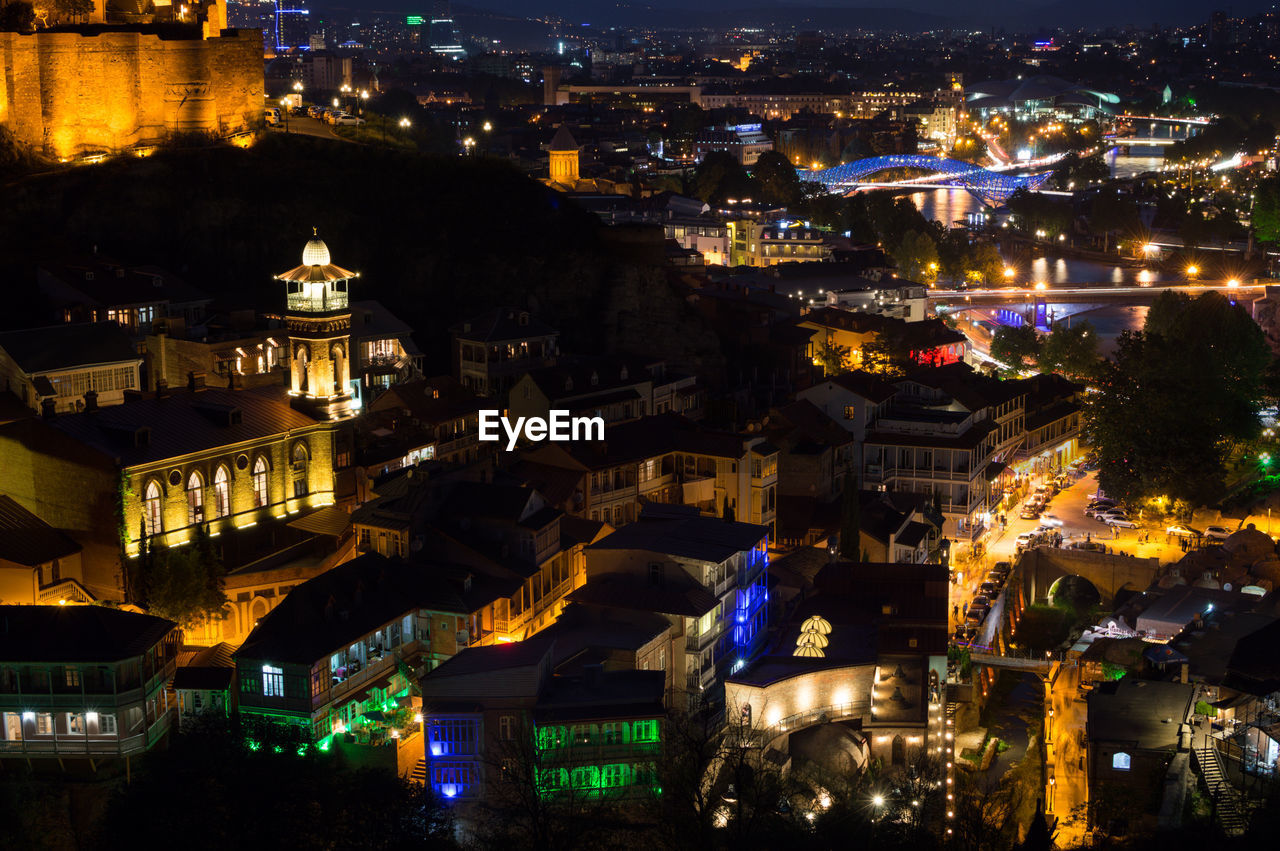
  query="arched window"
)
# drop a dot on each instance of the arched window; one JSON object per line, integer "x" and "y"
{"x": 195, "y": 499}
{"x": 152, "y": 518}
{"x": 221, "y": 493}
{"x": 260, "y": 482}
{"x": 300, "y": 458}
{"x": 899, "y": 751}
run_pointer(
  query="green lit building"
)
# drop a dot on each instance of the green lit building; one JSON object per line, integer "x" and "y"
{"x": 499, "y": 725}
{"x": 340, "y": 655}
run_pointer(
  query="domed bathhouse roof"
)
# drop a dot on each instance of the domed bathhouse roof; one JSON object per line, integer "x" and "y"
{"x": 317, "y": 266}
{"x": 316, "y": 253}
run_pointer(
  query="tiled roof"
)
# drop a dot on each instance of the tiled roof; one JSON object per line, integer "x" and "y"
{"x": 501, "y": 324}
{"x": 335, "y": 608}
{"x": 183, "y": 422}
{"x": 77, "y": 633}
{"x": 66, "y": 346}
{"x": 690, "y": 536}
{"x": 26, "y": 539}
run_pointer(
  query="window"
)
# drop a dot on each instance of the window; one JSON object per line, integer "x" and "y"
{"x": 1120, "y": 761}
{"x": 613, "y": 776}
{"x": 151, "y": 516}
{"x": 260, "y": 482}
{"x": 44, "y": 723}
{"x": 300, "y": 458}
{"x": 452, "y": 736}
{"x": 507, "y": 728}
{"x": 71, "y": 676}
{"x": 272, "y": 681}
{"x": 75, "y": 723}
{"x": 221, "y": 493}
{"x": 107, "y": 725}
{"x": 195, "y": 499}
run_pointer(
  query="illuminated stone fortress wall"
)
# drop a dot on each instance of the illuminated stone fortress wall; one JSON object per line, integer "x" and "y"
{"x": 94, "y": 89}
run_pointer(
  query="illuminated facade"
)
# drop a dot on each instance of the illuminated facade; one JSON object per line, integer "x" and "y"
{"x": 754, "y": 244}
{"x": 337, "y": 656}
{"x": 590, "y": 736}
{"x": 72, "y": 93}
{"x": 318, "y": 316}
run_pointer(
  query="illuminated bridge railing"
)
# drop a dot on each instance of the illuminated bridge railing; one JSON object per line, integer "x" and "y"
{"x": 832, "y": 712}
{"x": 989, "y": 185}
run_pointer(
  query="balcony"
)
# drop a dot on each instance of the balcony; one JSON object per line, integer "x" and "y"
{"x": 70, "y": 745}
{"x": 383, "y": 667}
{"x": 698, "y": 491}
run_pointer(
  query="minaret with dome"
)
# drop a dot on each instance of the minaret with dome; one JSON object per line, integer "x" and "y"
{"x": 318, "y": 318}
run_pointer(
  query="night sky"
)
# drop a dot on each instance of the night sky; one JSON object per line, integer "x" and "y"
{"x": 978, "y": 13}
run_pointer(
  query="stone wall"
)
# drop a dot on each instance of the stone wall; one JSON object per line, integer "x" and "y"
{"x": 107, "y": 89}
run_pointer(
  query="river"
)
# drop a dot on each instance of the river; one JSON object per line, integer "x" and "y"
{"x": 952, "y": 205}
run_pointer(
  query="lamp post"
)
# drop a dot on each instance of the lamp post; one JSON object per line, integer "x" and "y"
{"x": 1053, "y": 781}
{"x": 284, "y": 106}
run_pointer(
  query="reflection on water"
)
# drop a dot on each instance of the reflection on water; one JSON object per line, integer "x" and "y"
{"x": 951, "y": 206}
{"x": 1109, "y": 321}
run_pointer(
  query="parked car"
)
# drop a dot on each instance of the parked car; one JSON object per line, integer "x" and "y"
{"x": 989, "y": 589}
{"x": 1105, "y": 516}
{"x": 348, "y": 119}
{"x": 1098, "y": 505}
{"x": 302, "y": 111}
{"x": 974, "y": 619}
{"x": 964, "y": 632}
{"x": 316, "y": 111}
{"x": 1004, "y": 568}
{"x": 1093, "y": 546}
{"x": 1183, "y": 531}
{"x": 1121, "y": 520}
{"x": 995, "y": 578}
{"x": 980, "y": 602}
{"x": 1217, "y": 533}
{"x": 273, "y": 116}
{"x": 1026, "y": 541}
{"x": 1030, "y": 511}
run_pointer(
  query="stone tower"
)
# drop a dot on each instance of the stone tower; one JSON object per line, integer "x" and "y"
{"x": 318, "y": 317}
{"x": 564, "y": 157}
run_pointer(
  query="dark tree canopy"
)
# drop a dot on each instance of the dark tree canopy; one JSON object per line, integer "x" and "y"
{"x": 1176, "y": 398}
{"x": 1016, "y": 347}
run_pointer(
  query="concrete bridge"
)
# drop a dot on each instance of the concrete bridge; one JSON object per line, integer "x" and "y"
{"x": 1040, "y": 568}
{"x": 1102, "y": 293}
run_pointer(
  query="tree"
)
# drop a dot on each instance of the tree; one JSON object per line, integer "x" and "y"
{"x": 1070, "y": 351}
{"x": 207, "y": 775}
{"x": 18, "y": 16}
{"x": 850, "y": 523}
{"x": 833, "y": 358}
{"x": 73, "y": 9}
{"x": 917, "y": 257}
{"x": 1112, "y": 213}
{"x": 777, "y": 179}
{"x": 183, "y": 584}
{"x": 983, "y": 264}
{"x": 1266, "y": 211}
{"x": 726, "y": 511}
{"x": 1176, "y": 398}
{"x": 1015, "y": 346}
{"x": 720, "y": 176}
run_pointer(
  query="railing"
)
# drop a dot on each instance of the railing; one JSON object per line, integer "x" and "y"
{"x": 365, "y": 675}
{"x": 67, "y": 589}
{"x": 336, "y": 300}
{"x": 76, "y": 745}
{"x": 800, "y": 720}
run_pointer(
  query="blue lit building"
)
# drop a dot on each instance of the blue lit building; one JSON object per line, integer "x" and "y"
{"x": 709, "y": 576}
{"x": 292, "y": 24}
{"x": 499, "y": 725}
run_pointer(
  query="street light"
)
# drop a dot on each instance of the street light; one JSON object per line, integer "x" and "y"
{"x": 1192, "y": 271}
{"x": 1234, "y": 282}
{"x": 488, "y": 127}
{"x": 1009, "y": 272}
{"x": 284, "y": 107}
{"x": 405, "y": 122}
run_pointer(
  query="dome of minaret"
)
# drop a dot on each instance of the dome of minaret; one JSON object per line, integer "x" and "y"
{"x": 316, "y": 253}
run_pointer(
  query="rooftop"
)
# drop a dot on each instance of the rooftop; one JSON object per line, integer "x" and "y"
{"x": 57, "y": 347}
{"x": 690, "y": 536}
{"x": 26, "y": 539}
{"x": 77, "y": 633}
{"x": 1145, "y": 714}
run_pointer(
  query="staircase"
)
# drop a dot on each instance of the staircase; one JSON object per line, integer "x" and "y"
{"x": 1226, "y": 800}
{"x": 419, "y": 773}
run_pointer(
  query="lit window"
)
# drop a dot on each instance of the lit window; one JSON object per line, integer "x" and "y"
{"x": 221, "y": 493}
{"x": 44, "y": 723}
{"x": 1120, "y": 761}
{"x": 272, "y": 681}
{"x": 75, "y": 723}
{"x": 195, "y": 499}
{"x": 260, "y": 482}
{"x": 151, "y": 517}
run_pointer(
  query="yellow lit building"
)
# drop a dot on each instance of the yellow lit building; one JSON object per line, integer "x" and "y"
{"x": 754, "y": 244}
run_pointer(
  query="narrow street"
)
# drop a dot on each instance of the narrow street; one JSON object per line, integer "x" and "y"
{"x": 1068, "y": 791}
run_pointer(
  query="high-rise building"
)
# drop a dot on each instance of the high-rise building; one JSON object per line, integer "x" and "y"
{"x": 292, "y": 24}
{"x": 443, "y": 37}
